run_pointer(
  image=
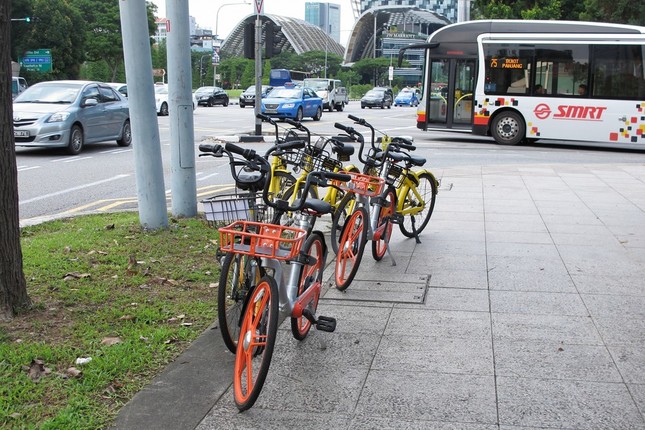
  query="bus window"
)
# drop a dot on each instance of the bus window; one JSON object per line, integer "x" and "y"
{"x": 560, "y": 69}
{"x": 618, "y": 72}
{"x": 506, "y": 68}
{"x": 439, "y": 71}
{"x": 464, "y": 88}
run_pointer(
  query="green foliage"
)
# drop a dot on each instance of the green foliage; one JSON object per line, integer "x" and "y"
{"x": 372, "y": 70}
{"x": 93, "y": 278}
{"x": 616, "y": 11}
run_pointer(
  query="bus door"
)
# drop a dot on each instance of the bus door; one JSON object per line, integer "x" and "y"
{"x": 452, "y": 83}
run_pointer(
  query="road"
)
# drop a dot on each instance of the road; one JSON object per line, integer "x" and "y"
{"x": 102, "y": 177}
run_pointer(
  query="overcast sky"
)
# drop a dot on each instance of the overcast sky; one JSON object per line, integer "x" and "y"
{"x": 205, "y": 12}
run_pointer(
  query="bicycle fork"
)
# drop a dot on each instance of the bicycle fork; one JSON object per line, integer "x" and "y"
{"x": 378, "y": 231}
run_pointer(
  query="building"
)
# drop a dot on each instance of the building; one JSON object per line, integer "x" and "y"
{"x": 325, "y": 16}
{"x": 447, "y": 8}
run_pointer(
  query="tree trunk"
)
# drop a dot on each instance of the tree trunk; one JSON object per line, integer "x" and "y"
{"x": 13, "y": 287}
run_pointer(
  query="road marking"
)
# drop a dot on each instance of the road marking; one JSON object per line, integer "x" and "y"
{"x": 70, "y": 190}
{"x": 25, "y": 168}
{"x": 202, "y": 178}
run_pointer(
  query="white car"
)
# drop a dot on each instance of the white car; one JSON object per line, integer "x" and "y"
{"x": 161, "y": 99}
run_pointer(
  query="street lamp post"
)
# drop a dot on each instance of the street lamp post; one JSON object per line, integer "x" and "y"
{"x": 216, "y": 36}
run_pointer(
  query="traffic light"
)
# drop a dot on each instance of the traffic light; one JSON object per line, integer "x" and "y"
{"x": 271, "y": 39}
{"x": 249, "y": 40}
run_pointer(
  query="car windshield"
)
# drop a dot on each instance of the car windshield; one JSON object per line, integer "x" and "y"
{"x": 50, "y": 93}
{"x": 250, "y": 90}
{"x": 316, "y": 85}
{"x": 204, "y": 90}
{"x": 373, "y": 93}
{"x": 405, "y": 94}
{"x": 286, "y": 93}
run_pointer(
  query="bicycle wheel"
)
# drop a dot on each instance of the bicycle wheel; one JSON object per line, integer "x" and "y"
{"x": 287, "y": 218}
{"x": 283, "y": 182}
{"x": 422, "y": 196}
{"x": 311, "y": 274}
{"x": 387, "y": 210}
{"x": 351, "y": 247}
{"x": 255, "y": 344}
{"x": 236, "y": 278}
{"x": 343, "y": 211}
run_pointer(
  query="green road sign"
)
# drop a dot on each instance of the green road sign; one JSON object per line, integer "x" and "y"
{"x": 37, "y": 60}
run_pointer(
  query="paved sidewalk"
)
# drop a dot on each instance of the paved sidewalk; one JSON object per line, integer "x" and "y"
{"x": 523, "y": 307}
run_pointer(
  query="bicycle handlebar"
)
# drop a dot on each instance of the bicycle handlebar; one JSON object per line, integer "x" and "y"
{"x": 214, "y": 150}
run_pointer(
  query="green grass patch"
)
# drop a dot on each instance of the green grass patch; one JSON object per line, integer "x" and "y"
{"x": 103, "y": 288}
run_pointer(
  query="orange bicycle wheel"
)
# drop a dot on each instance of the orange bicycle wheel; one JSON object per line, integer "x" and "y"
{"x": 311, "y": 274}
{"x": 384, "y": 221}
{"x": 351, "y": 247}
{"x": 255, "y": 344}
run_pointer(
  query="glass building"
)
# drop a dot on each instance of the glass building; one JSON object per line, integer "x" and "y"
{"x": 325, "y": 16}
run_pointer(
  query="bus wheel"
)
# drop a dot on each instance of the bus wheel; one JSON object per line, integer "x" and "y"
{"x": 508, "y": 128}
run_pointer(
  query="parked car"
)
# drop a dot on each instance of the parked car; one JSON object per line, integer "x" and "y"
{"x": 211, "y": 96}
{"x": 406, "y": 97}
{"x": 377, "y": 97}
{"x": 292, "y": 102}
{"x": 18, "y": 85}
{"x": 120, "y": 87}
{"x": 247, "y": 98}
{"x": 70, "y": 114}
{"x": 161, "y": 99}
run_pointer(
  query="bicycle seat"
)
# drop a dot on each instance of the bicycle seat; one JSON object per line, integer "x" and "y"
{"x": 250, "y": 179}
{"x": 395, "y": 156}
{"x": 416, "y": 160}
{"x": 343, "y": 150}
{"x": 317, "y": 207}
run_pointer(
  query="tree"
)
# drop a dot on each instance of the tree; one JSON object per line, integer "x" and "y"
{"x": 372, "y": 70}
{"x": 13, "y": 286}
{"x": 616, "y": 11}
{"x": 517, "y": 9}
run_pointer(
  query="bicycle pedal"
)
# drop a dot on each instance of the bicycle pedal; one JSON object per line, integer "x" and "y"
{"x": 327, "y": 324}
{"x": 396, "y": 218}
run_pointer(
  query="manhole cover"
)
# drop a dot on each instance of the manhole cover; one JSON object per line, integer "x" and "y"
{"x": 404, "y": 289}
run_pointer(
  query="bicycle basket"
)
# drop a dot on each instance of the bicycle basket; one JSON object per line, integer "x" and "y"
{"x": 313, "y": 160}
{"x": 262, "y": 240}
{"x": 395, "y": 175}
{"x": 366, "y": 185}
{"x": 227, "y": 208}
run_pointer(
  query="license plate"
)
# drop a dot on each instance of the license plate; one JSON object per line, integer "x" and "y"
{"x": 271, "y": 111}
{"x": 21, "y": 133}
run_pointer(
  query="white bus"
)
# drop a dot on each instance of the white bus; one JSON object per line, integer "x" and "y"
{"x": 530, "y": 80}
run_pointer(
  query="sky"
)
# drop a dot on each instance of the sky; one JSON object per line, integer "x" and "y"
{"x": 205, "y": 12}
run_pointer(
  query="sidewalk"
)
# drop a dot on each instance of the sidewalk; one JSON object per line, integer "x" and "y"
{"x": 523, "y": 307}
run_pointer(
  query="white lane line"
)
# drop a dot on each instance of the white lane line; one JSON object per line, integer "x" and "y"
{"x": 203, "y": 178}
{"x": 75, "y": 159}
{"x": 70, "y": 190}
{"x": 25, "y": 168}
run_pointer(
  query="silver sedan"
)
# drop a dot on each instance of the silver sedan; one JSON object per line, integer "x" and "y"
{"x": 70, "y": 114}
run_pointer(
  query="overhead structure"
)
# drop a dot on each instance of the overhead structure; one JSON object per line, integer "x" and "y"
{"x": 295, "y": 35}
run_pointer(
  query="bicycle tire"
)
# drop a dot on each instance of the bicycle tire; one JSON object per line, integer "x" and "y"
{"x": 413, "y": 225}
{"x": 379, "y": 247}
{"x": 311, "y": 274}
{"x": 351, "y": 248}
{"x": 234, "y": 284}
{"x": 343, "y": 211}
{"x": 255, "y": 344}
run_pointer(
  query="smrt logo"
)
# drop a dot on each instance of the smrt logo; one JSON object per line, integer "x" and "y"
{"x": 542, "y": 111}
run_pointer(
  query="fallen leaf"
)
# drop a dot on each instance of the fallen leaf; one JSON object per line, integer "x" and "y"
{"x": 73, "y": 372}
{"x": 144, "y": 339}
{"x": 213, "y": 285}
{"x": 75, "y": 275}
{"x": 15, "y": 415}
{"x": 169, "y": 341}
{"x": 102, "y": 252}
{"x": 36, "y": 369}
{"x": 67, "y": 250}
{"x": 92, "y": 252}
{"x": 109, "y": 227}
{"x": 186, "y": 324}
{"x": 144, "y": 286}
{"x": 109, "y": 341}
{"x": 171, "y": 320}
{"x": 126, "y": 317}
{"x": 83, "y": 360}
{"x": 181, "y": 317}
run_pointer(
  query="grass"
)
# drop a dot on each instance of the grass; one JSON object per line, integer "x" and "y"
{"x": 102, "y": 288}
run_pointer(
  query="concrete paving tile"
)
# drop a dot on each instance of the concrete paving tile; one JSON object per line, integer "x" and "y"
{"x": 579, "y": 219}
{"x": 543, "y": 360}
{"x": 457, "y": 299}
{"x": 456, "y": 247}
{"x": 320, "y": 391}
{"x": 550, "y": 403}
{"x": 474, "y": 279}
{"x": 619, "y": 329}
{"x": 537, "y": 303}
{"x": 522, "y": 206}
{"x": 604, "y": 239}
{"x": 497, "y": 217}
{"x": 534, "y": 227}
{"x": 602, "y": 305}
{"x": 356, "y": 317}
{"x": 439, "y": 225}
{"x": 426, "y": 262}
{"x": 431, "y": 323}
{"x": 384, "y": 423}
{"x": 226, "y": 416}
{"x": 638, "y": 393}
{"x": 533, "y": 250}
{"x": 545, "y": 328}
{"x": 439, "y": 235}
{"x": 429, "y": 396}
{"x": 540, "y": 280}
{"x": 630, "y": 360}
{"x": 526, "y": 265}
{"x": 438, "y": 354}
{"x": 454, "y": 215}
{"x": 590, "y": 231}
{"x": 631, "y": 285}
{"x": 518, "y": 237}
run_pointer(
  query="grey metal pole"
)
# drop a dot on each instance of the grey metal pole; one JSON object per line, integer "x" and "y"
{"x": 182, "y": 132}
{"x": 143, "y": 115}
{"x": 258, "y": 74}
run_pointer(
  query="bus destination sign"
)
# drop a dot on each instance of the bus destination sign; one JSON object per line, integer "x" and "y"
{"x": 506, "y": 63}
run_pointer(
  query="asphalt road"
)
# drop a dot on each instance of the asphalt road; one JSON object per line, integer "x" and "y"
{"x": 102, "y": 177}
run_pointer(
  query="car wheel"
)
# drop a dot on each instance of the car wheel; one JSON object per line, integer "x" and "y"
{"x": 242, "y": 105}
{"x": 126, "y": 134}
{"x": 389, "y": 106}
{"x": 209, "y": 103}
{"x": 340, "y": 107}
{"x": 318, "y": 115}
{"x": 225, "y": 103}
{"x": 299, "y": 114}
{"x": 75, "y": 140}
{"x": 163, "y": 110}
{"x": 362, "y": 107}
